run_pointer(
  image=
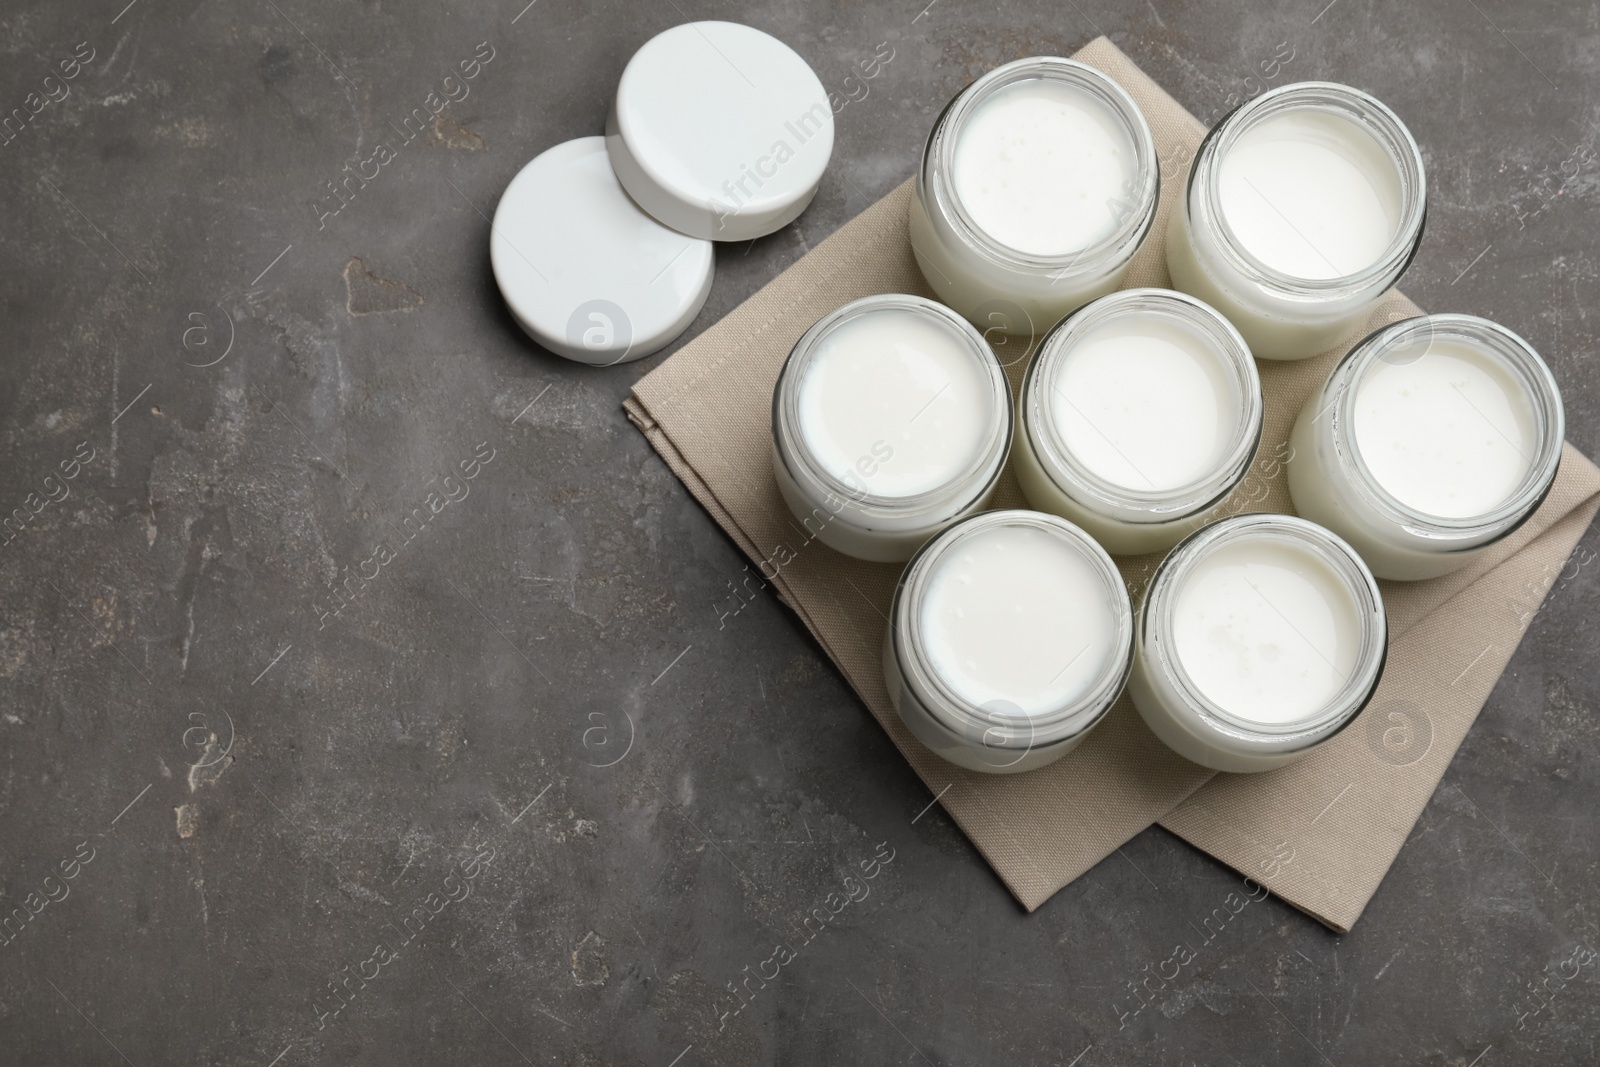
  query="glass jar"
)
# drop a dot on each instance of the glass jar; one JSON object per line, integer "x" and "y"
{"x": 1138, "y": 416}
{"x": 1260, "y": 637}
{"x": 1009, "y": 638}
{"x": 1432, "y": 439}
{"x": 1017, "y": 239}
{"x": 891, "y": 419}
{"x": 1304, "y": 206}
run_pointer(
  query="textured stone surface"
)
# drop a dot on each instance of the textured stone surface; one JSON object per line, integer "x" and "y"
{"x": 538, "y": 718}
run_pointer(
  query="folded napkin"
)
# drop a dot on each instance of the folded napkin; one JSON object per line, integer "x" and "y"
{"x": 1320, "y": 833}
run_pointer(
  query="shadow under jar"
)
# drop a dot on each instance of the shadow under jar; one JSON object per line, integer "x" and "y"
{"x": 1260, "y": 638}
{"x": 1009, "y": 638}
{"x": 1431, "y": 440}
{"x": 1303, "y": 207}
{"x": 891, "y": 419}
{"x": 1038, "y": 184}
{"x": 1138, "y": 416}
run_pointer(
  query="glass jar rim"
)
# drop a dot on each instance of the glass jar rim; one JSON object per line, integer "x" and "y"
{"x": 1156, "y": 625}
{"x": 1077, "y": 481}
{"x": 972, "y": 482}
{"x": 1370, "y": 114}
{"x": 1491, "y": 339}
{"x": 938, "y": 161}
{"x": 960, "y": 716}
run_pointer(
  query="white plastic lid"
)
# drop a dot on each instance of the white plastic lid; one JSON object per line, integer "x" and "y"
{"x": 720, "y": 130}
{"x": 584, "y": 271}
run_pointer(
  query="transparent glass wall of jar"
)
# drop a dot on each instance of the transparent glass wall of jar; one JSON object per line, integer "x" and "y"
{"x": 1038, "y": 184}
{"x": 1431, "y": 440}
{"x": 1303, "y": 207}
{"x": 1010, "y": 637}
{"x": 1138, "y": 416}
{"x": 1259, "y": 638}
{"x": 891, "y": 419}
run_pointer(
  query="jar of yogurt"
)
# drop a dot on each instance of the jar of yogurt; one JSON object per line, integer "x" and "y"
{"x": 891, "y": 419}
{"x": 1303, "y": 207}
{"x": 1009, "y": 639}
{"x": 1431, "y": 440}
{"x": 1260, "y": 637}
{"x": 1037, "y": 186}
{"x": 1138, "y": 416}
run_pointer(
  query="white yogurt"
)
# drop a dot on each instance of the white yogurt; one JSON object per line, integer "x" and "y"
{"x": 1018, "y": 615}
{"x": 1431, "y": 440}
{"x": 1009, "y": 638}
{"x": 1259, "y": 638}
{"x": 1311, "y": 194}
{"x": 891, "y": 419}
{"x": 1444, "y": 428}
{"x": 1301, "y": 210}
{"x": 1145, "y": 404}
{"x": 1038, "y": 184}
{"x": 895, "y": 400}
{"x": 1138, "y": 417}
{"x": 1267, "y": 631}
{"x": 1040, "y": 166}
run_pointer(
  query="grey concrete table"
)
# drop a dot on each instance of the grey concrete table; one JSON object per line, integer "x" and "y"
{"x": 313, "y": 751}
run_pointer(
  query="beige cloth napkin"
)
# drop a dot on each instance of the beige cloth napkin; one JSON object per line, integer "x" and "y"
{"x": 1320, "y": 833}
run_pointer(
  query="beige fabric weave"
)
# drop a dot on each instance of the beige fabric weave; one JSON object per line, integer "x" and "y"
{"x": 1320, "y": 833}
